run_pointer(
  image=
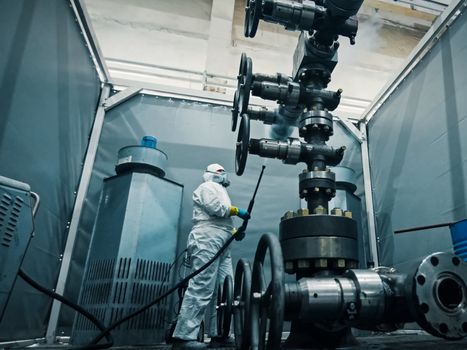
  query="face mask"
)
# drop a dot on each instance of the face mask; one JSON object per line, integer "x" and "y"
{"x": 225, "y": 180}
{"x": 221, "y": 178}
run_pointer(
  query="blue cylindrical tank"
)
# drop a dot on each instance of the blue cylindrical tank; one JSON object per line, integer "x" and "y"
{"x": 459, "y": 238}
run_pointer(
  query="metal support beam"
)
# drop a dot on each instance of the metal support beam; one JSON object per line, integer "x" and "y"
{"x": 373, "y": 240}
{"x": 84, "y": 21}
{"x": 221, "y": 99}
{"x": 120, "y": 97}
{"x": 431, "y": 37}
{"x": 21, "y": 343}
{"x": 76, "y": 215}
{"x": 359, "y": 136}
{"x": 431, "y": 5}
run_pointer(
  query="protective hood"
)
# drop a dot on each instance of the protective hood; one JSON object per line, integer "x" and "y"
{"x": 216, "y": 173}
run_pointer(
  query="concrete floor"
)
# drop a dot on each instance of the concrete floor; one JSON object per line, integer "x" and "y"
{"x": 384, "y": 342}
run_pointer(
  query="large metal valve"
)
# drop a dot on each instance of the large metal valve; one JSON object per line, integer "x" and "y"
{"x": 241, "y": 310}
{"x": 253, "y": 11}
{"x": 318, "y": 245}
{"x": 234, "y": 300}
{"x": 432, "y": 293}
{"x": 267, "y": 299}
{"x": 242, "y": 94}
{"x": 243, "y": 142}
{"x": 280, "y": 88}
{"x": 328, "y": 20}
{"x": 224, "y": 307}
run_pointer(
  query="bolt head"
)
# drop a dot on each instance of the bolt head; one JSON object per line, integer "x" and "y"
{"x": 337, "y": 212}
{"x": 321, "y": 263}
{"x": 320, "y": 210}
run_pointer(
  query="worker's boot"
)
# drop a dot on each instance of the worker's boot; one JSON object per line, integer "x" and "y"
{"x": 222, "y": 342}
{"x": 180, "y": 344}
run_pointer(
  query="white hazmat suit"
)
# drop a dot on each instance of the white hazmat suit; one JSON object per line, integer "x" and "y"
{"x": 212, "y": 228}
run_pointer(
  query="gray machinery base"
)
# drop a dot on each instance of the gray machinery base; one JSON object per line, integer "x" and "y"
{"x": 133, "y": 245}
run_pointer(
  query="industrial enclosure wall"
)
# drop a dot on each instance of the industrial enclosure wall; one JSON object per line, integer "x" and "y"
{"x": 418, "y": 151}
{"x": 194, "y": 135}
{"x": 48, "y": 96}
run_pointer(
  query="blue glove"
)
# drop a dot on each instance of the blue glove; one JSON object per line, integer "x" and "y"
{"x": 243, "y": 214}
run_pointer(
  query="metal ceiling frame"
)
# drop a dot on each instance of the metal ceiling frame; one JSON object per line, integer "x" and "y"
{"x": 428, "y": 6}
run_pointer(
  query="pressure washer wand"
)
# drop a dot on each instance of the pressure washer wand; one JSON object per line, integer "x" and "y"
{"x": 241, "y": 230}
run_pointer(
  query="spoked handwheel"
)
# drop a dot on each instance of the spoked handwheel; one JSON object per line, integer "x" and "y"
{"x": 267, "y": 299}
{"x": 241, "y": 310}
{"x": 243, "y": 144}
{"x": 242, "y": 94}
{"x": 224, "y": 307}
{"x": 253, "y": 11}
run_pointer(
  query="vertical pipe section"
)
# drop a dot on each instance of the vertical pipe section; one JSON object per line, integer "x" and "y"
{"x": 76, "y": 215}
{"x": 369, "y": 196}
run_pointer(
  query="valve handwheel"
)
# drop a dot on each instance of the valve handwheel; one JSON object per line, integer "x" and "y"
{"x": 242, "y": 94}
{"x": 236, "y": 105}
{"x": 241, "y": 310}
{"x": 243, "y": 142}
{"x": 224, "y": 307}
{"x": 252, "y": 16}
{"x": 247, "y": 74}
{"x": 235, "y": 111}
{"x": 267, "y": 299}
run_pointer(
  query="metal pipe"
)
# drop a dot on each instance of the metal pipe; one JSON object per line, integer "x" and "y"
{"x": 174, "y": 69}
{"x": 420, "y": 228}
{"x": 373, "y": 239}
{"x": 37, "y": 202}
{"x": 431, "y": 292}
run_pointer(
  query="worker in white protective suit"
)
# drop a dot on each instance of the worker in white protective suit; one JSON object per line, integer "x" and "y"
{"x": 213, "y": 225}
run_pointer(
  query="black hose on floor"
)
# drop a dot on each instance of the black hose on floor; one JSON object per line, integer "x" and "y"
{"x": 75, "y": 307}
{"x": 166, "y": 294}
